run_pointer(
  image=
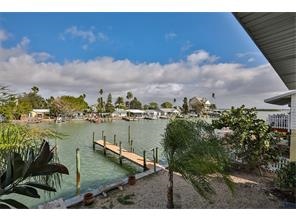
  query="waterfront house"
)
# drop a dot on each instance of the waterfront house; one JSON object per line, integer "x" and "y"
{"x": 119, "y": 113}
{"x": 199, "y": 105}
{"x": 152, "y": 114}
{"x": 135, "y": 113}
{"x": 39, "y": 113}
{"x": 169, "y": 112}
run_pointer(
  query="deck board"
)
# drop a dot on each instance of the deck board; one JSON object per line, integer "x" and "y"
{"x": 133, "y": 157}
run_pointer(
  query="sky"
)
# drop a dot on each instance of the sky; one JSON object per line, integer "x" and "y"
{"x": 157, "y": 56}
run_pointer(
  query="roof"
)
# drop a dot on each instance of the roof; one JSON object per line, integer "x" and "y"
{"x": 168, "y": 110}
{"x": 283, "y": 99}
{"x": 135, "y": 111}
{"x": 274, "y": 34}
{"x": 41, "y": 110}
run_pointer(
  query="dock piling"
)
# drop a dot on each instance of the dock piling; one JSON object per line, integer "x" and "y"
{"x": 120, "y": 157}
{"x": 104, "y": 145}
{"x": 156, "y": 155}
{"x": 102, "y": 134}
{"x": 114, "y": 142}
{"x": 132, "y": 146}
{"x": 77, "y": 172}
{"x": 129, "y": 134}
{"x": 154, "y": 160}
{"x": 93, "y": 138}
{"x": 144, "y": 159}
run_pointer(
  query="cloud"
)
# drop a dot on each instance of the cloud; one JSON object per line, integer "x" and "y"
{"x": 186, "y": 46}
{"x": 89, "y": 36}
{"x": 199, "y": 74}
{"x": 3, "y": 35}
{"x": 170, "y": 36}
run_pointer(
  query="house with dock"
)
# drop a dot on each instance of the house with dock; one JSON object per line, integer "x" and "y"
{"x": 274, "y": 35}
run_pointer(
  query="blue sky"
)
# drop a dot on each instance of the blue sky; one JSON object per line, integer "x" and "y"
{"x": 201, "y": 47}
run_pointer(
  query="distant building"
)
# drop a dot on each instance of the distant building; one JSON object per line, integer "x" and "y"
{"x": 119, "y": 113}
{"x": 169, "y": 112}
{"x": 152, "y": 114}
{"x": 39, "y": 113}
{"x": 199, "y": 105}
{"x": 135, "y": 113}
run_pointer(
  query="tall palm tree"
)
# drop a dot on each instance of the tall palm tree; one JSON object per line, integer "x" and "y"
{"x": 192, "y": 149}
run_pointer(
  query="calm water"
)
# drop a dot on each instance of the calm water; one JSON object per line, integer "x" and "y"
{"x": 95, "y": 168}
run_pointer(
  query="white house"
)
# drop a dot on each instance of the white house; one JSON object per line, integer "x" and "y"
{"x": 199, "y": 105}
{"x": 169, "y": 112}
{"x": 288, "y": 98}
{"x": 152, "y": 114}
{"x": 39, "y": 113}
{"x": 137, "y": 113}
{"x": 119, "y": 113}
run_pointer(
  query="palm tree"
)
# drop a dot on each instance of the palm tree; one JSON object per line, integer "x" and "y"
{"x": 192, "y": 149}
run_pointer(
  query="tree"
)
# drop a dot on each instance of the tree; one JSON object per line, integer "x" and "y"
{"x": 192, "y": 149}
{"x": 15, "y": 178}
{"x": 185, "y": 105}
{"x": 101, "y": 105}
{"x": 120, "y": 103}
{"x": 166, "y": 105}
{"x": 146, "y": 106}
{"x": 109, "y": 106}
{"x": 153, "y": 105}
{"x": 252, "y": 139}
{"x": 129, "y": 96}
{"x": 35, "y": 89}
{"x": 135, "y": 104}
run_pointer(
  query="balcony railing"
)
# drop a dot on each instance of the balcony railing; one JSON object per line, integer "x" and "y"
{"x": 279, "y": 121}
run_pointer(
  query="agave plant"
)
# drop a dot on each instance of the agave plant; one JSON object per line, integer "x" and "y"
{"x": 20, "y": 174}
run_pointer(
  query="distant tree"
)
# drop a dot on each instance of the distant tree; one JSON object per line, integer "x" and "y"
{"x": 35, "y": 89}
{"x": 120, "y": 103}
{"x": 213, "y": 106}
{"x": 146, "y": 106}
{"x": 129, "y": 96}
{"x": 135, "y": 104}
{"x": 101, "y": 105}
{"x": 185, "y": 105}
{"x": 166, "y": 105}
{"x": 153, "y": 105}
{"x": 109, "y": 106}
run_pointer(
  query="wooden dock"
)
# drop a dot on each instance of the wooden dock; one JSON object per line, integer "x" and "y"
{"x": 133, "y": 157}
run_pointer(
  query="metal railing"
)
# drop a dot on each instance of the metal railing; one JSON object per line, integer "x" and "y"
{"x": 279, "y": 121}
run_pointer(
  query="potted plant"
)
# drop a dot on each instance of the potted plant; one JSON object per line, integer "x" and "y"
{"x": 88, "y": 199}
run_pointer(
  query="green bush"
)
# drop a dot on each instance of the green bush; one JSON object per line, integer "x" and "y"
{"x": 286, "y": 176}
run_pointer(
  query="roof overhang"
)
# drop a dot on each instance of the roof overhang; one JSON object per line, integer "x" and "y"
{"x": 274, "y": 33}
{"x": 283, "y": 99}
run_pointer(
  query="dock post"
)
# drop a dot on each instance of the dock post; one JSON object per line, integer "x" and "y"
{"x": 131, "y": 145}
{"x": 114, "y": 142}
{"x": 93, "y": 138}
{"x": 77, "y": 172}
{"x": 129, "y": 134}
{"x": 144, "y": 158}
{"x": 120, "y": 159}
{"x": 104, "y": 145}
{"x": 156, "y": 155}
{"x": 102, "y": 134}
{"x": 154, "y": 161}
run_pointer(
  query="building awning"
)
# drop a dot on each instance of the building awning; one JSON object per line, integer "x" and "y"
{"x": 275, "y": 35}
{"x": 283, "y": 99}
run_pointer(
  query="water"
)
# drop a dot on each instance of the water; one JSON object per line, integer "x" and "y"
{"x": 95, "y": 168}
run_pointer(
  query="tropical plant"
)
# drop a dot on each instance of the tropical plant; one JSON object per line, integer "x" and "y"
{"x": 20, "y": 173}
{"x": 153, "y": 105}
{"x": 120, "y": 103}
{"x": 286, "y": 177}
{"x": 252, "y": 140}
{"x": 135, "y": 104}
{"x": 192, "y": 149}
{"x": 109, "y": 106}
{"x": 166, "y": 105}
{"x": 185, "y": 105}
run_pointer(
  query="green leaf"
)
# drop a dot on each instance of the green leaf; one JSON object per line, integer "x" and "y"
{"x": 4, "y": 206}
{"x": 41, "y": 186}
{"x": 14, "y": 203}
{"x": 27, "y": 191}
{"x": 48, "y": 169}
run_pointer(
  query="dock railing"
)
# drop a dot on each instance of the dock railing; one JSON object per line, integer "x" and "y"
{"x": 279, "y": 121}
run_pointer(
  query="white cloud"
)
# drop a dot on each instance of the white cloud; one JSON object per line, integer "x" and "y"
{"x": 170, "y": 35}
{"x": 186, "y": 46}
{"x": 199, "y": 75}
{"x": 3, "y": 36}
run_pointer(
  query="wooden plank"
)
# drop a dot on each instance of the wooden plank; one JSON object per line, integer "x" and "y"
{"x": 133, "y": 157}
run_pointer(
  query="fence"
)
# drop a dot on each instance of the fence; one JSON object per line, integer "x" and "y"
{"x": 279, "y": 121}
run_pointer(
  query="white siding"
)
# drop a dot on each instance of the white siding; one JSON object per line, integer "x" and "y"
{"x": 293, "y": 111}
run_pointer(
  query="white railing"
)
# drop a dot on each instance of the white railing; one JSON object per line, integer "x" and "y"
{"x": 279, "y": 121}
{"x": 273, "y": 167}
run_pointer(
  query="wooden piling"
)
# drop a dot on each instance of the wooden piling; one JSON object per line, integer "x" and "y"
{"x": 120, "y": 157}
{"x": 114, "y": 142}
{"x": 129, "y": 134}
{"x": 144, "y": 159}
{"x": 154, "y": 161}
{"x": 77, "y": 172}
{"x": 132, "y": 146}
{"x": 102, "y": 134}
{"x": 156, "y": 155}
{"x": 104, "y": 145}
{"x": 93, "y": 138}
